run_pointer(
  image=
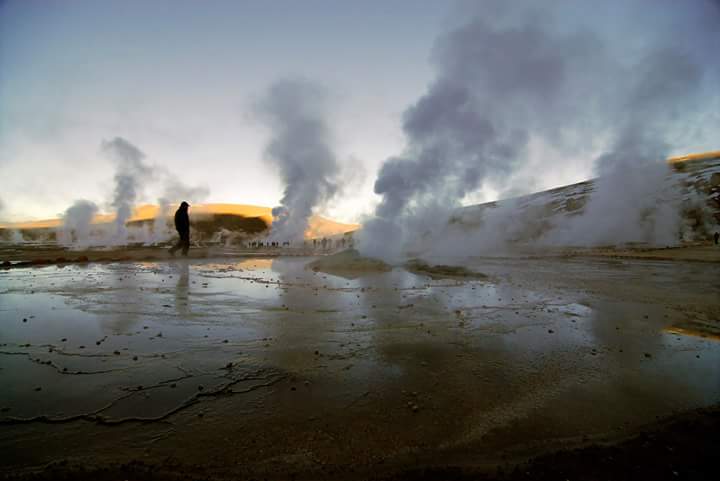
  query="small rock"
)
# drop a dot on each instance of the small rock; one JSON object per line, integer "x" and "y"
{"x": 24, "y": 319}
{"x": 81, "y": 347}
{"x": 225, "y": 341}
{"x": 135, "y": 358}
{"x": 648, "y": 355}
{"x": 550, "y": 331}
{"x": 293, "y": 388}
{"x": 63, "y": 339}
{"x": 117, "y": 353}
{"x": 173, "y": 385}
{"x": 229, "y": 365}
{"x": 201, "y": 387}
{"x": 38, "y": 388}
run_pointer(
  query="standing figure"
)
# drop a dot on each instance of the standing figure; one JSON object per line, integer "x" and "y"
{"x": 182, "y": 224}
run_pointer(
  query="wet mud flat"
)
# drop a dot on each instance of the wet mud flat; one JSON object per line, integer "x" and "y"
{"x": 265, "y": 368}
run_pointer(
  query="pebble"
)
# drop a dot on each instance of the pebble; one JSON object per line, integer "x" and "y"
{"x": 135, "y": 358}
{"x": 38, "y": 388}
{"x": 24, "y": 319}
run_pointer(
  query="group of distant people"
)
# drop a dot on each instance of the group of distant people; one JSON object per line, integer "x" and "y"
{"x": 182, "y": 225}
{"x": 268, "y": 244}
{"x": 326, "y": 243}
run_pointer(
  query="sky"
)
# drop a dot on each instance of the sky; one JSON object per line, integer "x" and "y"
{"x": 179, "y": 80}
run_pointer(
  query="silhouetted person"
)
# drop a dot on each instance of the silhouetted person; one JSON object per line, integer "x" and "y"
{"x": 182, "y": 224}
{"x": 717, "y": 237}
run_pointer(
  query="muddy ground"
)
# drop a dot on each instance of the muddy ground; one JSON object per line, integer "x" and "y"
{"x": 231, "y": 367}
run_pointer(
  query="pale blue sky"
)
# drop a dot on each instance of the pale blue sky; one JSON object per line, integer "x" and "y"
{"x": 177, "y": 78}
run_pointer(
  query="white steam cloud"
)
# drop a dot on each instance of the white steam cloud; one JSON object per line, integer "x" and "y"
{"x": 130, "y": 175}
{"x": 294, "y": 111}
{"x": 77, "y": 222}
{"x": 509, "y": 75}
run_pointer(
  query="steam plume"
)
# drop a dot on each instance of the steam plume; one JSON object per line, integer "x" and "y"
{"x": 130, "y": 176}
{"x": 299, "y": 146}
{"x": 76, "y": 223}
{"x": 508, "y": 76}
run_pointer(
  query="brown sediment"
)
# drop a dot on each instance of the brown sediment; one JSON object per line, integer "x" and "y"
{"x": 684, "y": 446}
{"x": 441, "y": 270}
{"x": 348, "y": 263}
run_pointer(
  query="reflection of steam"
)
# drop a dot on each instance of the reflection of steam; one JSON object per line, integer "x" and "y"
{"x": 294, "y": 110}
{"x": 505, "y": 82}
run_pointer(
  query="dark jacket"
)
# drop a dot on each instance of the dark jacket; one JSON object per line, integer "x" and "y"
{"x": 182, "y": 220}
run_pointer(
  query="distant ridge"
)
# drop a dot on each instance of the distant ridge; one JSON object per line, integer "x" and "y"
{"x": 319, "y": 226}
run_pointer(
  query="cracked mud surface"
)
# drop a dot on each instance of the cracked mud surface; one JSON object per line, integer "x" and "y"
{"x": 262, "y": 367}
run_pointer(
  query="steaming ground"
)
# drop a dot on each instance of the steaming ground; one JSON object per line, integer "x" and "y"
{"x": 271, "y": 367}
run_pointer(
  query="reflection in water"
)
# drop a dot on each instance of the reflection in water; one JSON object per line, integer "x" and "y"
{"x": 480, "y": 355}
{"x": 181, "y": 268}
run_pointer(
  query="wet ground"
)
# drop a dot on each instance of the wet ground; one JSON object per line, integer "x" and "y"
{"x": 262, "y": 367}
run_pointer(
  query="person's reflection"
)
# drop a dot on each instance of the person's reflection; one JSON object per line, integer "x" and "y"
{"x": 182, "y": 288}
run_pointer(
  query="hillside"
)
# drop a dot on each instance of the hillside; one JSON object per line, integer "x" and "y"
{"x": 698, "y": 176}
